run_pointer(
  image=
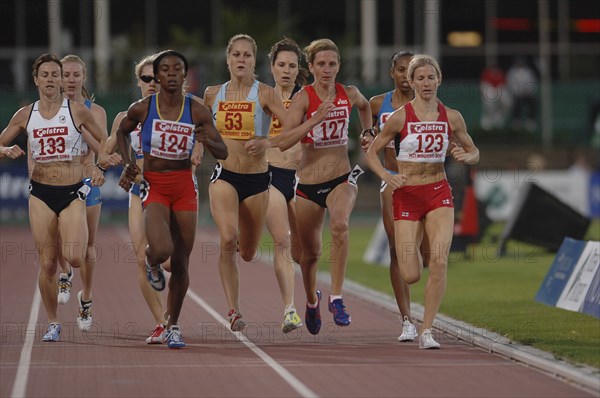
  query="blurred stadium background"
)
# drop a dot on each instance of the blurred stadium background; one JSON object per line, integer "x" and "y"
{"x": 559, "y": 40}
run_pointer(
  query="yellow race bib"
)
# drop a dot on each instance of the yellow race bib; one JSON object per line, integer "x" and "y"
{"x": 235, "y": 119}
{"x": 276, "y": 123}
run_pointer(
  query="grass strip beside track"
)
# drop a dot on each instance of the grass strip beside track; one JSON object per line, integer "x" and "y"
{"x": 492, "y": 292}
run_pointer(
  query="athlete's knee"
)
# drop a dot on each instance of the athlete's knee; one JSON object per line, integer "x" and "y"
{"x": 229, "y": 242}
{"x": 281, "y": 243}
{"x": 248, "y": 251}
{"x": 159, "y": 253}
{"x": 91, "y": 254}
{"x": 438, "y": 269}
{"x": 310, "y": 256}
{"x": 339, "y": 227}
{"x": 48, "y": 268}
{"x": 410, "y": 274}
{"x": 74, "y": 257}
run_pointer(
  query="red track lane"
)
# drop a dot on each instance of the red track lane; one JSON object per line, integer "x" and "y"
{"x": 112, "y": 360}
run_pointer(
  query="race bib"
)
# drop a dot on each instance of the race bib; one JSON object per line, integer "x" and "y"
{"x": 426, "y": 141}
{"x": 333, "y": 131}
{"x": 384, "y": 117}
{"x": 49, "y": 144}
{"x": 235, "y": 119}
{"x": 171, "y": 140}
{"x": 276, "y": 123}
{"x": 136, "y": 142}
{"x": 356, "y": 172}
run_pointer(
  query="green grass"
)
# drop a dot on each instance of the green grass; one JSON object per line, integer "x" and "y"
{"x": 496, "y": 293}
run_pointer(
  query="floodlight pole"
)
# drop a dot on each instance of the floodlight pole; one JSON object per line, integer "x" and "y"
{"x": 368, "y": 40}
{"x": 102, "y": 42}
{"x": 432, "y": 22}
{"x": 54, "y": 26}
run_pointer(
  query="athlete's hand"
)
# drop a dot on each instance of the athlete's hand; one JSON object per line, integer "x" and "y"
{"x": 196, "y": 156}
{"x": 105, "y": 160}
{"x": 365, "y": 142}
{"x": 115, "y": 159}
{"x": 129, "y": 174}
{"x": 201, "y": 135}
{"x": 395, "y": 181}
{"x": 324, "y": 108}
{"x": 13, "y": 152}
{"x": 256, "y": 146}
{"x": 98, "y": 177}
{"x": 459, "y": 154}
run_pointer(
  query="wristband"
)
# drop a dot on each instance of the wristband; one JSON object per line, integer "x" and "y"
{"x": 368, "y": 131}
{"x": 100, "y": 167}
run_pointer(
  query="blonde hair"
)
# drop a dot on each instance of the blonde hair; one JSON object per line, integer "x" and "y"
{"x": 76, "y": 59}
{"x": 320, "y": 45}
{"x": 421, "y": 60}
{"x": 147, "y": 60}
{"x": 241, "y": 36}
{"x": 248, "y": 38}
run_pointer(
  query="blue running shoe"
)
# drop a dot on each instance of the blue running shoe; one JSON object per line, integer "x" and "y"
{"x": 338, "y": 309}
{"x": 156, "y": 277}
{"x": 174, "y": 338}
{"x": 313, "y": 316}
{"x": 52, "y": 333}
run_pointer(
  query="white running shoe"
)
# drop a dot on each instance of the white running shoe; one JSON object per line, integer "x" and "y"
{"x": 426, "y": 341}
{"x": 409, "y": 331}
{"x": 52, "y": 332}
{"x": 64, "y": 287}
{"x": 84, "y": 319}
{"x": 174, "y": 337}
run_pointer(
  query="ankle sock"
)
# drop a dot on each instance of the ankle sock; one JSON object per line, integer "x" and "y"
{"x": 334, "y": 297}
{"x": 290, "y": 307}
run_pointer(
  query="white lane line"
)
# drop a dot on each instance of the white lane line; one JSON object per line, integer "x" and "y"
{"x": 296, "y": 384}
{"x": 20, "y": 385}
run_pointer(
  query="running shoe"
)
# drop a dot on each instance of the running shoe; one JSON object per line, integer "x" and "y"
{"x": 291, "y": 322}
{"x": 426, "y": 341}
{"x": 409, "y": 331}
{"x": 312, "y": 318}
{"x": 84, "y": 319}
{"x": 157, "y": 336}
{"x": 156, "y": 277}
{"x": 236, "y": 321}
{"x": 52, "y": 333}
{"x": 64, "y": 287}
{"x": 338, "y": 309}
{"x": 174, "y": 337}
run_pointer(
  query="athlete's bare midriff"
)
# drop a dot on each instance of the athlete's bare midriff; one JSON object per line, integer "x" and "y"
{"x": 58, "y": 173}
{"x": 323, "y": 164}
{"x": 418, "y": 173}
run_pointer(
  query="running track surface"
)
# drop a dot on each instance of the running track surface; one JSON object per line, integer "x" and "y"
{"x": 112, "y": 360}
